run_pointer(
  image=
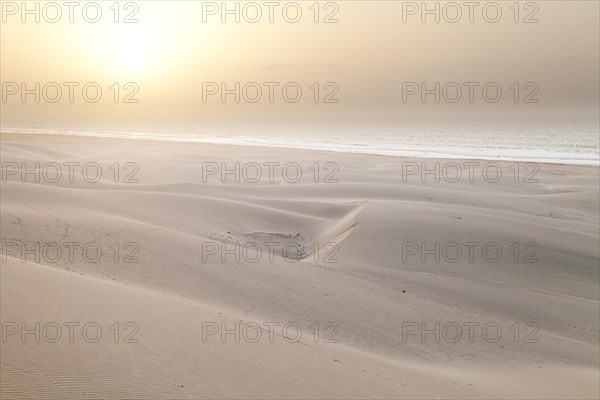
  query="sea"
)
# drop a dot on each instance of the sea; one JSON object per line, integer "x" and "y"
{"x": 569, "y": 143}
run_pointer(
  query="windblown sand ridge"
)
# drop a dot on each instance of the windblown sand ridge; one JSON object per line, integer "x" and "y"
{"x": 317, "y": 233}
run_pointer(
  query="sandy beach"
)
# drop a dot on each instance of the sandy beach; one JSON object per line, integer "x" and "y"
{"x": 150, "y": 269}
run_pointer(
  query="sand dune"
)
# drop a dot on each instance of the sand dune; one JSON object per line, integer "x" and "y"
{"x": 182, "y": 255}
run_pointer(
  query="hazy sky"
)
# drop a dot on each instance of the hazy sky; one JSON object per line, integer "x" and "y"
{"x": 369, "y": 61}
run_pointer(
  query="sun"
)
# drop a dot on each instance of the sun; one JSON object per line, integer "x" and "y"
{"x": 131, "y": 50}
{"x": 135, "y": 53}
{"x": 150, "y": 47}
